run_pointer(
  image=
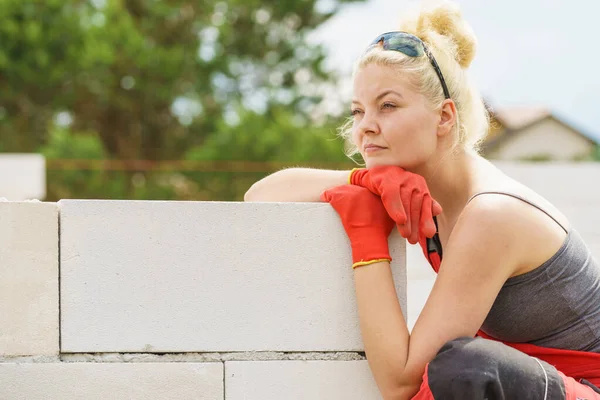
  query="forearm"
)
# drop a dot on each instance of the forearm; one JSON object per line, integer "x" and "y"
{"x": 296, "y": 184}
{"x": 383, "y": 328}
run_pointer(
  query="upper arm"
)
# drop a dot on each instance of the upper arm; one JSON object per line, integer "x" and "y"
{"x": 481, "y": 253}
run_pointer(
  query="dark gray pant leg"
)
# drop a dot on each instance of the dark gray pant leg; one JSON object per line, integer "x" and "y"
{"x": 478, "y": 369}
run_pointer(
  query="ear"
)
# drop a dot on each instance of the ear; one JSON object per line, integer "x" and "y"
{"x": 448, "y": 117}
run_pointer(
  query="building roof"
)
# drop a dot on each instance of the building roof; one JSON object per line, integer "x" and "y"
{"x": 519, "y": 117}
{"x": 514, "y": 119}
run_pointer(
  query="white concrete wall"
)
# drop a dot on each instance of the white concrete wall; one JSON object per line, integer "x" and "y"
{"x": 22, "y": 176}
{"x": 118, "y": 381}
{"x": 207, "y": 277}
{"x": 263, "y": 291}
{"x": 28, "y": 279}
{"x": 338, "y": 380}
{"x": 205, "y": 300}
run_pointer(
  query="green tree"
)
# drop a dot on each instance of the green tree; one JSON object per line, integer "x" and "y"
{"x": 282, "y": 138}
{"x": 42, "y": 46}
{"x": 154, "y": 79}
{"x": 276, "y": 136}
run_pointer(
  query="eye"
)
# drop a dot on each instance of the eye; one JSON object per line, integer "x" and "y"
{"x": 388, "y": 105}
{"x": 354, "y": 112}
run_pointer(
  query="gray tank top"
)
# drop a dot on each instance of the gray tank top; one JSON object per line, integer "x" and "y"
{"x": 555, "y": 305}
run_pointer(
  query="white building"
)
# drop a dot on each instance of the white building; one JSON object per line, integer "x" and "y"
{"x": 22, "y": 176}
{"x": 535, "y": 133}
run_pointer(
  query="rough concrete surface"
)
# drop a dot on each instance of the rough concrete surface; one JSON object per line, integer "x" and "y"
{"x": 299, "y": 380}
{"x": 28, "y": 279}
{"x": 102, "y": 381}
{"x": 210, "y": 357}
{"x": 152, "y": 277}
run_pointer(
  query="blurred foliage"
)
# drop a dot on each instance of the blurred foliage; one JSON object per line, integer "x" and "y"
{"x": 163, "y": 80}
{"x": 279, "y": 137}
{"x": 276, "y": 136}
{"x": 542, "y": 157}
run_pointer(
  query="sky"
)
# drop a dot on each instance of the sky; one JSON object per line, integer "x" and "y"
{"x": 530, "y": 52}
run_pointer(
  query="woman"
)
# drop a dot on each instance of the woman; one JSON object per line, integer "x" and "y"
{"x": 513, "y": 269}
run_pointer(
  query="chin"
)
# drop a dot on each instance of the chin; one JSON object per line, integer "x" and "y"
{"x": 370, "y": 163}
{"x": 407, "y": 165}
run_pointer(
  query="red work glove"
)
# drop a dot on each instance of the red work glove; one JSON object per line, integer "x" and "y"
{"x": 365, "y": 220}
{"x": 405, "y": 196}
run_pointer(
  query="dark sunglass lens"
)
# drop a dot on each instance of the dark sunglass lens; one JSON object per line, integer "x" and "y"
{"x": 406, "y": 45}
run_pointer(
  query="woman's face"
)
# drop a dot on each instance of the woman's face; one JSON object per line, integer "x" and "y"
{"x": 392, "y": 123}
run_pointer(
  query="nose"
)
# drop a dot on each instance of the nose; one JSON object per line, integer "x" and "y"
{"x": 368, "y": 125}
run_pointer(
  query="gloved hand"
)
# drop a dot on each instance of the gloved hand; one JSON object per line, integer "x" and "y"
{"x": 365, "y": 220}
{"x": 405, "y": 196}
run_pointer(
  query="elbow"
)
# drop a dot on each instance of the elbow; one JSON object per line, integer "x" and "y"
{"x": 258, "y": 193}
{"x": 266, "y": 189}
{"x": 250, "y": 194}
{"x": 401, "y": 392}
{"x": 262, "y": 190}
{"x": 393, "y": 395}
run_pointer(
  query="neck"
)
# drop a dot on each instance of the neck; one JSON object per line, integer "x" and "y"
{"x": 451, "y": 181}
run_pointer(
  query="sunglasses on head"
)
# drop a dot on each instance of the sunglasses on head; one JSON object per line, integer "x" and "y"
{"x": 411, "y": 46}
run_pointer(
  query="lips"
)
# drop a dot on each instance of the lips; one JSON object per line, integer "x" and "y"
{"x": 372, "y": 147}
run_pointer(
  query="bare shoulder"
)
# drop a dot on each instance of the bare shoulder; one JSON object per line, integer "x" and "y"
{"x": 487, "y": 228}
{"x": 497, "y": 211}
{"x": 528, "y": 234}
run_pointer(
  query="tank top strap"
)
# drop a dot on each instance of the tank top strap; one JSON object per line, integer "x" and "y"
{"x": 522, "y": 199}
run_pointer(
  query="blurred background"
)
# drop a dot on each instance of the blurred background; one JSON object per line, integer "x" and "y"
{"x": 196, "y": 100}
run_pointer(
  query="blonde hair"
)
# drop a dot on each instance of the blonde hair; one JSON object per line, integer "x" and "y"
{"x": 453, "y": 44}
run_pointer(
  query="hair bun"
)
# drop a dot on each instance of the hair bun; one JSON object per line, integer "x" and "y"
{"x": 445, "y": 19}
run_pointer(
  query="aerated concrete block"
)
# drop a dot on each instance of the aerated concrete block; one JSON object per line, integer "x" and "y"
{"x": 28, "y": 279}
{"x": 114, "y": 381}
{"x": 153, "y": 276}
{"x": 22, "y": 176}
{"x": 299, "y": 380}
